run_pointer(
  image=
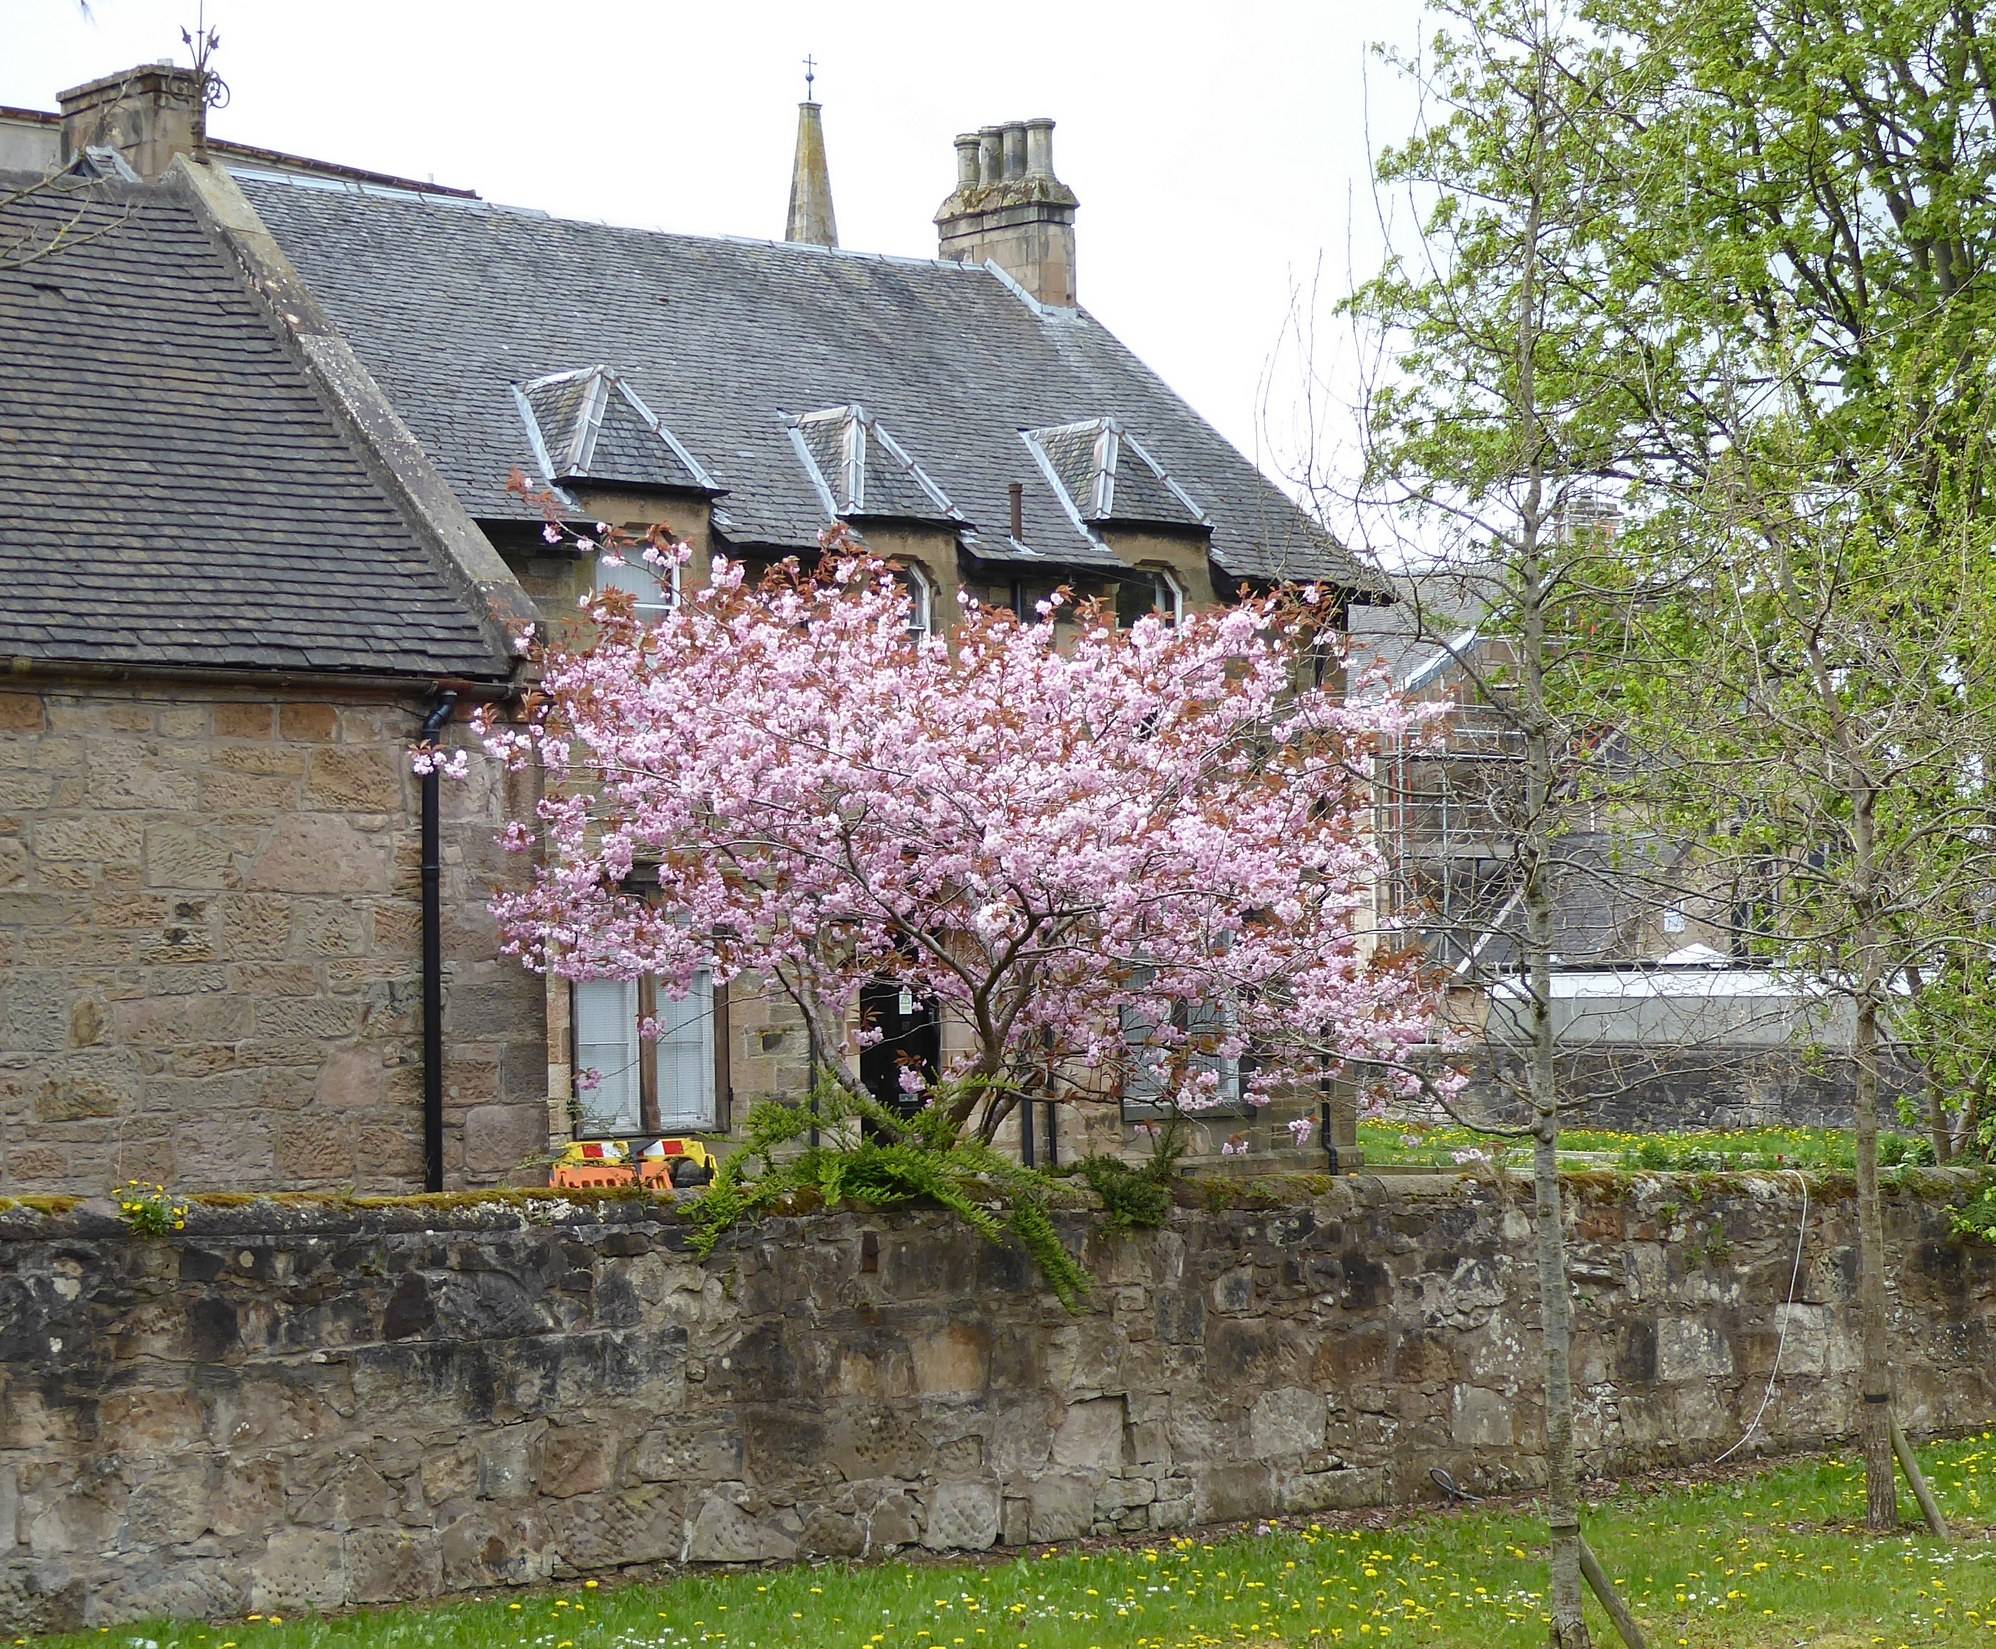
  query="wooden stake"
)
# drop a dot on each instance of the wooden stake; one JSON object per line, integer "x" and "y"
{"x": 1929, "y": 1508}
{"x": 1618, "y": 1611}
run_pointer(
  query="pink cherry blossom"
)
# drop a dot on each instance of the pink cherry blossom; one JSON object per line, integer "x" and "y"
{"x": 1101, "y": 852}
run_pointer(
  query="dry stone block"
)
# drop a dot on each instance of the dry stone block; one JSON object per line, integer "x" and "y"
{"x": 386, "y": 1565}
{"x": 21, "y": 713}
{"x": 308, "y": 722}
{"x": 1481, "y": 1418}
{"x": 722, "y": 1531}
{"x": 1090, "y": 1437}
{"x": 299, "y": 1569}
{"x": 321, "y": 853}
{"x": 188, "y": 856}
{"x": 618, "y": 1528}
{"x": 498, "y": 1139}
{"x": 494, "y": 1546}
{"x": 355, "y": 778}
{"x": 1061, "y": 1507}
{"x": 1689, "y": 1349}
{"x": 1288, "y": 1421}
{"x": 964, "y": 1516}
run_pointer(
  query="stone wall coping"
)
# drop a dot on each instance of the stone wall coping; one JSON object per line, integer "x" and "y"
{"x": 43, "y": 1219}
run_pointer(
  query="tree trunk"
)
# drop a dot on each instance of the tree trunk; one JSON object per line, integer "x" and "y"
{"x": 1569, "y": 1625}
{"x": 1881, "y": 1483}
{"x": 1535, "y": 852}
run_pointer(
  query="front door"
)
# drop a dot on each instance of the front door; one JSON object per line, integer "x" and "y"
{"x": 913, "y": 1034}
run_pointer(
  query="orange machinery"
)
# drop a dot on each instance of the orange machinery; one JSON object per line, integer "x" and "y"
{"x": 600, "y": 1164}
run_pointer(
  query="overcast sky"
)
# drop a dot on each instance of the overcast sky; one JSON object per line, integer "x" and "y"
{"x": 1219, "y": 151}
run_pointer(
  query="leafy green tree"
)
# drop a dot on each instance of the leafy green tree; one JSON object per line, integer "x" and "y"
{"x": 1733, "y": 260}
{"x": 1806, "y": 247}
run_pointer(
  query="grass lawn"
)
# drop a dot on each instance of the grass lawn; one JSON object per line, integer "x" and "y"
{"x": 1760, "y": 1560}
{"x": 1423, "y": 1144}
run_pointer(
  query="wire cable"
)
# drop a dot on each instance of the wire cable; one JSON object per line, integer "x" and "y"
{"x": 1781, "y": 1340}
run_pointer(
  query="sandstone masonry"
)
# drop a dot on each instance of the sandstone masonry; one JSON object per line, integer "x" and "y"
{"x": 294, "y": 1407}
{"x": 210, "y": 947}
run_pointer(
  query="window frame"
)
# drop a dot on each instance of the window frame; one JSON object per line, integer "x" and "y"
{"x": 1167, "y": 596}
{"x": 1150, "y": 1106}
{"x": 642, "y": 1060}
{"x": 646, "y": 612}
{"x": 922, "y": 604}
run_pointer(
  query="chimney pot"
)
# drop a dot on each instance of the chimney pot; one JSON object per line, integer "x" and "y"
{"x": 148, "y": 114}
{"x": 1039, "y": 147}
{"x": 990, "y": 154}
{"x": 966, "y": 159}
{"x": 1015, "y": 150}
{"x": 1027, "y": 228}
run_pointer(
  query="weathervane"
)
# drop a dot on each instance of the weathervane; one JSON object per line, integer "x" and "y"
{"x": 810, "y": 74}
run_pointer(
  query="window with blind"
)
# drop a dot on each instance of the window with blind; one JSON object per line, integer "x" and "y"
{"x": 661, "y": 1086}
{"x": 654, "y": 592}
{"x": 1148, "y": 1059}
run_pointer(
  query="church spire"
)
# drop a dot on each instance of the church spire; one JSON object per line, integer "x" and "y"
{"x": 811, "y": 217}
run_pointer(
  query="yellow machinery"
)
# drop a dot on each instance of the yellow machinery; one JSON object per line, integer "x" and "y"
{"x": 662, "y": 1165}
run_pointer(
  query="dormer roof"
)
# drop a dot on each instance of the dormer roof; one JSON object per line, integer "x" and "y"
{"x": 1104, "y": 476}
{"x": 589, "y": 426}
{"x": 860, "y": 470}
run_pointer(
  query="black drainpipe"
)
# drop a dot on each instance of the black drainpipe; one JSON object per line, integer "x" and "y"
{"x": 433, "y": 958}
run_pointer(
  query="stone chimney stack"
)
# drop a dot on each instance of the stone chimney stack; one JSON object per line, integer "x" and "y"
{"x": 1009, "y": 208}
{"x": 148, "y": 114}
{"x": 811, "y": 218}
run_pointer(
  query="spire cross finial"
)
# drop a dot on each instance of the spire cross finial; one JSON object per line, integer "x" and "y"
{"x": 810, "y": 75}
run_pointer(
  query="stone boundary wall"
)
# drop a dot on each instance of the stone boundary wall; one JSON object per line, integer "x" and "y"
{"x": 295, "y": 1407}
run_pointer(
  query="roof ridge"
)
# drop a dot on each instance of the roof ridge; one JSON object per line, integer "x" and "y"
{"x": 474, "y": 203}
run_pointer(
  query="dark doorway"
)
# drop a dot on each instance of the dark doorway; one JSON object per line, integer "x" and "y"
{"x": 912, "y": 1034}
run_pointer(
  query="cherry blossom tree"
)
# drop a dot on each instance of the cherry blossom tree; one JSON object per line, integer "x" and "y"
{"x": 1100, "y": 852}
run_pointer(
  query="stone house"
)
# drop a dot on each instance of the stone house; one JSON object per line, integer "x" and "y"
{"x": 225, "y": 626}
{"x": 962, "y": 413}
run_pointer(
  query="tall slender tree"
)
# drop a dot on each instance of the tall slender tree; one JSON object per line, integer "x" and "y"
{"x": 1493, "y": 415}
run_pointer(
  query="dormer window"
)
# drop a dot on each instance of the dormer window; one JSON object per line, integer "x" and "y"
{"x": 860, "y": 472}
{"x": 591, "y": 428}
{"x": 656, "y": 593}
{"x": 1149, "y": 590}
{"x": 1105, "y": 477}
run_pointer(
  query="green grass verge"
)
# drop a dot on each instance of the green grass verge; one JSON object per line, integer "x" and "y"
{"x": 1756, "y": 1560}
{"x": 1421, "y": 1144}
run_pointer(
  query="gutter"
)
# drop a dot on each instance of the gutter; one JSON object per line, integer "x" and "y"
{"x": 433, "y": 954}
{"x": 23, "y": 666}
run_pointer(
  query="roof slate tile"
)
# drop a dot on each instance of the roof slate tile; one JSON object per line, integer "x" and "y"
{"x": 178, "y": 495}
{"x": 450, "y": 304}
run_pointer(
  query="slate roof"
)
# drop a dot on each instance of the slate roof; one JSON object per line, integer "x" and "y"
{"x": 176, "y": 493}
{"x": 451, "y": 303}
